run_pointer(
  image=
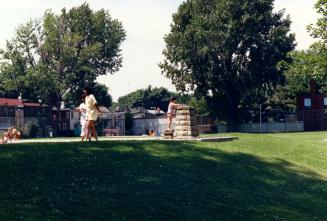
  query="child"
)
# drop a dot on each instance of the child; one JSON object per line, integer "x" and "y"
{"x": 152, "y": 133}
{"x": 83, "y": 120}
{"x": 10, "y": 135}
{"x": 171, "y": 110}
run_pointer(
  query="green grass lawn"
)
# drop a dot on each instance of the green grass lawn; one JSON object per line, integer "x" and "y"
{"x": 258, "y": 177}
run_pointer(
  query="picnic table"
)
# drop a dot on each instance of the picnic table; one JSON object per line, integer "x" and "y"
{"x": 110, "y": 132}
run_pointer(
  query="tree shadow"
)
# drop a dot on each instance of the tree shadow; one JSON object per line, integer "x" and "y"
{"x": 153, "y": 180}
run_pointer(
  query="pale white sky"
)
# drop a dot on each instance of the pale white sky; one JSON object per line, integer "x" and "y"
{"x": 146, "y": 22}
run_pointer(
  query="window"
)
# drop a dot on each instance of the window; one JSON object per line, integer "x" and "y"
{"x": 325, "y": 101}
{"x": 307, "y": 102}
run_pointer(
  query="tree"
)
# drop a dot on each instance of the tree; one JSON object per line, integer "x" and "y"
{"x": 319, "y": 30}
{"x": 147, "y": 98}
{"x": 199, "y": 105}
{"x": 306, "y": 66}
{"x": 17, "y": 62}
{"x": 79, "y": 45}
{"x": 227, "y": 51}
{"x": 100, "y": 91}
{"x": 61, "y": 54}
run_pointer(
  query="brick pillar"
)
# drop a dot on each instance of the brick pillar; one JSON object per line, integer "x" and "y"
{"x": 185, "y": 124}
{"x": 19, "y": 118}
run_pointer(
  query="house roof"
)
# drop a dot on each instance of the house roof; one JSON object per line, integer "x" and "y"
{"x": 104, "y": 109}
{"x": 16, "y": 103}
{"x": 155, "y": 112}
{"x": 10, "y": 102}
{"x": 31, "y": 104}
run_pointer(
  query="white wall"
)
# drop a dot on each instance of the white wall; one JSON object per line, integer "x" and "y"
{"x": 157, "y": 124}
{"x": 160, "y": 124}
{"x": 266, "y": 127}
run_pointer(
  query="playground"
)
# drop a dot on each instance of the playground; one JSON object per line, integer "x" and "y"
{"x": 257, "y": 177}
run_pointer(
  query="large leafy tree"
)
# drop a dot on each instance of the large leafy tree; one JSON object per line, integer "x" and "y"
{"x": 60, "y": 54}
{"x": 306, "y": 66}
{"x": 227, "y": 51}
{"x": 319, "y": 30}
{"x": 100, "y": 91}
{"x": 147, "y": 98}
{"x": 17, "y": 62}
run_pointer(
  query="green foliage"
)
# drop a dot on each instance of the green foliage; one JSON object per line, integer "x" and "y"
{"x": 306, "y": 66}
{"x": 128, "y": 123}
{"x": 147, "y": 98}
{"x": 30, "y": 130}
{"x": 100, "y": 91}
{"x": 227, "y": 51}
{"x": 199, "y": 105}
{"x": 61, "y": 53}
{"x": 159, "y": 97}
{"x": 320, "y": 29}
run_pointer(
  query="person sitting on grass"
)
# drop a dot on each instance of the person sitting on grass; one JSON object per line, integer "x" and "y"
{"x": 11, "y": 135}
{"x": 152, "y": 133}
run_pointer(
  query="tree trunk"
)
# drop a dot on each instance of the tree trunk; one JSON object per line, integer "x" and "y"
{"x": 231, "y": 114}
{"x": 231, "y": 122}
{"x": 56, "y": 118}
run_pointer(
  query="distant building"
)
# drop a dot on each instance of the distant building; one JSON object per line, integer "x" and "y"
{"x": 142, "y": 112}
{"x": 312, "y": 109}
{"x": 9, "y": 108}
{"x": 18, "y": 112}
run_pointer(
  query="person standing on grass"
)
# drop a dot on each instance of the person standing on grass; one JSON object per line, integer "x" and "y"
{"x": 92, "y": 112}
{"x": 171, "y": 110}
{"x": 83, "y": 121}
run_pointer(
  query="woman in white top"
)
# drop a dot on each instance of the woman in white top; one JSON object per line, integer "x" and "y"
{"x": 92, "y": 112}
{"x": 171, "y": 110}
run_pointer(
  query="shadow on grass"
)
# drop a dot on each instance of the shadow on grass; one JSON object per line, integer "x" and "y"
{"x": 152, "y": 181}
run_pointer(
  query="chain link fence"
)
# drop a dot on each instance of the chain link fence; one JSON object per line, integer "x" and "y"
{"x": 28, "y": 126}
{"x": 109, "y": 124}
{"x": 267, "y": 121}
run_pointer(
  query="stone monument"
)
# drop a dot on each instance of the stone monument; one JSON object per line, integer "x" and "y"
{"x": 169, "y": 134}
{"x": 185, "y": 123}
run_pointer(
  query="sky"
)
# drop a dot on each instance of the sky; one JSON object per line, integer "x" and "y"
{"x": 146, "y": 22}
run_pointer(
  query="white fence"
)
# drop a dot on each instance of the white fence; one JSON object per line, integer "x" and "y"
{"x": 159, "y": 125}
{"x": 266, "y": 127}
{"x": 141, "y": 126}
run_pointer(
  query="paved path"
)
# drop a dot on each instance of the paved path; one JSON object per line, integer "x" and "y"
{"x": 121, "y": 138}
{"x": 77, "y": 139}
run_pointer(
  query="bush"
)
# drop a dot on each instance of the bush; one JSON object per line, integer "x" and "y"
{"x": 128, "y": 123}
{"x": 30, "y": 130}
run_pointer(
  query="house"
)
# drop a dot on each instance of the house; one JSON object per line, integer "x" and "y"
{"x": 142, "y": 112}
{"x": 20, "y": 113}
{"x": 16, "y": 111}
{"x": 312, "y": 109}
{"x": 109, "y": 123}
